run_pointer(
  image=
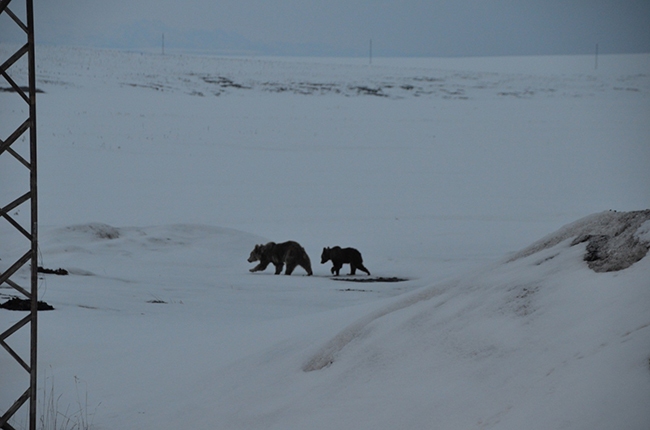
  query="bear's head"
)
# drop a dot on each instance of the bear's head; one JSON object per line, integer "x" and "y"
{"x": 256, "y": 254}
{"x": 325, "y": 256}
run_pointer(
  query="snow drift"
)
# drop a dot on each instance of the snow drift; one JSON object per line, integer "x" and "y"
{"x": 615, "y": 241}
{"x": 538, "y": 341}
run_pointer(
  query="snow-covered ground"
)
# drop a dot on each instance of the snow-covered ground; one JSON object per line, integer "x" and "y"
{"x": 159, "y": 174}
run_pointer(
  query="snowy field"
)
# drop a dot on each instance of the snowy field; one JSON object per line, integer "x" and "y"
{"x": 159, "y": 174}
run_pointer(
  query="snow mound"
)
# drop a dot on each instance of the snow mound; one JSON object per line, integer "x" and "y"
{"x": 535, "y": 343}
{"x": 326, "y": 355}
{"x": 86, "y": 249}
{"x": 615, "y": 240}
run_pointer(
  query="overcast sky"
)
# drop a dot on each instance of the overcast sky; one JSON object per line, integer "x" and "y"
{"x": 345, "y": 27}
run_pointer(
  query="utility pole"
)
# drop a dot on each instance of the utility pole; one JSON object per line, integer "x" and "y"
{"x": 28, "y": 249}
{"x": 596, "y": 64}
{"x": 163, "y": 44}
{"x": 370, "y": 51}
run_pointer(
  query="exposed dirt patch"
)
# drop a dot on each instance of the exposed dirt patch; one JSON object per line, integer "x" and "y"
{"x": 373, "y": 279}
{"x": 615, "y": 240}
{"x": 98, "y": 230}
{"x": 618, "y": 248}
{"x": 59, "y": 271}
{"x": 23, "y": 89}
{"x": 17, "y": 304}
{"x": 356, "y": 290}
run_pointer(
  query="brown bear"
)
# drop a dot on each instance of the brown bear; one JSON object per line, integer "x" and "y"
{"x": 289, "y": 253}
{"x": 339, "y": 257}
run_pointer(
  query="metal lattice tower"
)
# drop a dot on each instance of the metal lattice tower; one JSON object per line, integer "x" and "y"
{"x": 29, "y": 239}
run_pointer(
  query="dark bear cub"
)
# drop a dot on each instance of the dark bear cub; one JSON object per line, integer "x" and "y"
{"x": 339, "y": 257}
{"x": 289, "y": 253}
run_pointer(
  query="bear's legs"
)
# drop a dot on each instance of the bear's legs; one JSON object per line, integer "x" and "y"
{"x": 359, "y": 266}
{"x": 278, "y": 268}
{"x": 307, "y": 266}
{"x": 290, "y": 267}
{"x": 259, "y": 267}
{"x": 336, "y": 269}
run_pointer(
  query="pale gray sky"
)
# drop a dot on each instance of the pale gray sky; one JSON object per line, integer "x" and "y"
{"x": 344, "y": 27}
